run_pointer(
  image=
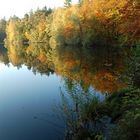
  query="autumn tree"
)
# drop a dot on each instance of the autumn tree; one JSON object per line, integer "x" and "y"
{"x": 129, "y": 23}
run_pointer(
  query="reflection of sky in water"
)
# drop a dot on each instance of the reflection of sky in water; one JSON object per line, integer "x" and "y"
{"x": 29, "y": 105}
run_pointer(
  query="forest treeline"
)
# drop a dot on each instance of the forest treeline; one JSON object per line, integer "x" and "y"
{"x": 89, "y": 23}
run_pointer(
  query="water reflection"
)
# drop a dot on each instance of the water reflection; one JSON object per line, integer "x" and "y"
{"x": 27, "y": 105}
{"x": 3, "y": 55}
{"x": 81, "y": 76}
{"x": 101, "y": 68}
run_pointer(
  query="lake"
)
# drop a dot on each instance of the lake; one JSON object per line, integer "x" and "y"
{"x": 38, "y": 102}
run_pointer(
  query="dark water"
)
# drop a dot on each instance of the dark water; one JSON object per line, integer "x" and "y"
{"x": 35, "y": 101}
{"x": 30, "y": 105}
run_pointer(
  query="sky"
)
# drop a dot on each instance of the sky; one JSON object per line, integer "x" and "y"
{"x": 20, "y": 7}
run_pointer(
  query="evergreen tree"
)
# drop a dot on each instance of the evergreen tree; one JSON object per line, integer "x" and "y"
{"x": 67, "y": 3}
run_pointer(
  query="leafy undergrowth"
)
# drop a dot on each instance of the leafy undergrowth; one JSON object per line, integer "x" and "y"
{"x": 125, "y": 114}
{"x": 116, "y": 118}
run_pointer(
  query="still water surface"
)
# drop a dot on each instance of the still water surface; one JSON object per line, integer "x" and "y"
{"x": 43, "y": 96}
{"x": 30, "y": 105}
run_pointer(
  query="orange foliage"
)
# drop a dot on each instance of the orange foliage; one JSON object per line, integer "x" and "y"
{"x": 106, "y": 81}
{"x": 129, "y": 23}
{"x": 42, "y": 57}
{"x": 68, "y": 29}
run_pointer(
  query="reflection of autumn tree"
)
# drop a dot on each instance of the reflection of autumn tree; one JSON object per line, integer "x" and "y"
{"x": 36, "y": 58}
{"x": 100, "y": 67}
{"x": 15, "y": 54}
{"x": 3, "y": 55}
{"x": 82, "y": 42}
{"x": 91, "y": 67}
{"x": 106, "y": 81}
{"x": 14, "y": 58}
{"x": 71, "y": 62}
{"x": 31, "y": 56}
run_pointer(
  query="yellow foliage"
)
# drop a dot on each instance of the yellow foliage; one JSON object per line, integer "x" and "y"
{"x": 41, "y": 25}
{"x": 13, "y": 56}
{"x": 10, "y": 29}
{"x": 28, "y": 35}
